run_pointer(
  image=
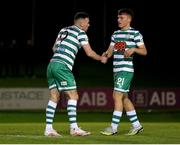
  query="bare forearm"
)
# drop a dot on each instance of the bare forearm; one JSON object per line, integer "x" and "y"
{"x": 140, "y": 51}
{"x": 109, "y": 52}
{"x": 94, "y": 56}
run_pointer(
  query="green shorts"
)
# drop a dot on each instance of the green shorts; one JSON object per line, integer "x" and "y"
{"x": 122, "y": 81}
{"x": 60, "y": 76}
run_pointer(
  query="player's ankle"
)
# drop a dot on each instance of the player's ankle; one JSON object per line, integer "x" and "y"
{"x": 49, "y": 128}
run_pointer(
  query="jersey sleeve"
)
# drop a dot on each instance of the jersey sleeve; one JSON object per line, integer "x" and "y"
{"x": 112, "y": 40}
{"x": 83, "y": 38}
{"x": 138, "y": 38}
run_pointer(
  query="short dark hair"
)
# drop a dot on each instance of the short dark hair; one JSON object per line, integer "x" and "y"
{"x": 80, "y": 15}
{"x": 126, "y": 11}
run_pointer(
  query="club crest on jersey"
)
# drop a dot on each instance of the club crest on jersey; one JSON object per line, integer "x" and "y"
{"x": 63, "y": 83}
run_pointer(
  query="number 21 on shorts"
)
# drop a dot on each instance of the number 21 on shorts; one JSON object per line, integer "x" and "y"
{"x": 120, "y": 81}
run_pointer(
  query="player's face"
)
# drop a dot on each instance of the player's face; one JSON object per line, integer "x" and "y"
{"x": 124, "y": 21}
{"x": 85, "y": 24}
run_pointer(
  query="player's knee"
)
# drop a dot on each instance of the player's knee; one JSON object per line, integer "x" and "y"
{"x": 72, "y": 95}
{"x": 55, "y": 95}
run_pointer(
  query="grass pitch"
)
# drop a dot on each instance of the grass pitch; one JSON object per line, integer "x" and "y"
{"x": 32, "y": 133}
{"x": 28, "y": 128}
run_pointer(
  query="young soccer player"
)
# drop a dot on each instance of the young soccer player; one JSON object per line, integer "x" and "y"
{"x": 125, "y": 42}
{"x": 59, "y": 72}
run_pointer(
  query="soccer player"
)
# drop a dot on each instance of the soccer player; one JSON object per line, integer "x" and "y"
{"x": 59, "y": 72}
{"x": 125, "y": 42}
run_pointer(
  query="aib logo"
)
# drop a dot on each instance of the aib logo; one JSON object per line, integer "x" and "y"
{"x": 140, "y": 98}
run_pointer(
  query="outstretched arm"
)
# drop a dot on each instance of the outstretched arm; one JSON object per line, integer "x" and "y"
{"x": 109, "y": 52}
{"x": 91, "y": 53}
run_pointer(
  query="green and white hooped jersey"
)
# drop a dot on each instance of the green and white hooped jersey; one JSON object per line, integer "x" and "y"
{"x": 68, "y": 42}
{"x": 122, "y": 40}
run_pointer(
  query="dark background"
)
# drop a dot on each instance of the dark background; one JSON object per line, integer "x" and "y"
{"x": 38, "y": 23}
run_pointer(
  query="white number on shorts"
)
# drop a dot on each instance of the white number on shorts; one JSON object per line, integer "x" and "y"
{"x": 120, "y": 81}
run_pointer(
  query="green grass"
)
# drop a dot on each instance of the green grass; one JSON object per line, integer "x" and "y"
{"x": 27, "y": 127}
{"x": 86, "y": 116}
{"x": 32, "y": 133}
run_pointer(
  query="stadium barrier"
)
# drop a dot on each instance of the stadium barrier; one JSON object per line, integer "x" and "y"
{"x": 90, "y": 98}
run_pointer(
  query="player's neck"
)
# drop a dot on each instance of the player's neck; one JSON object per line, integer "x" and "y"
{"x": 78, "y": 26}
{"x": 127, "y": 27}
